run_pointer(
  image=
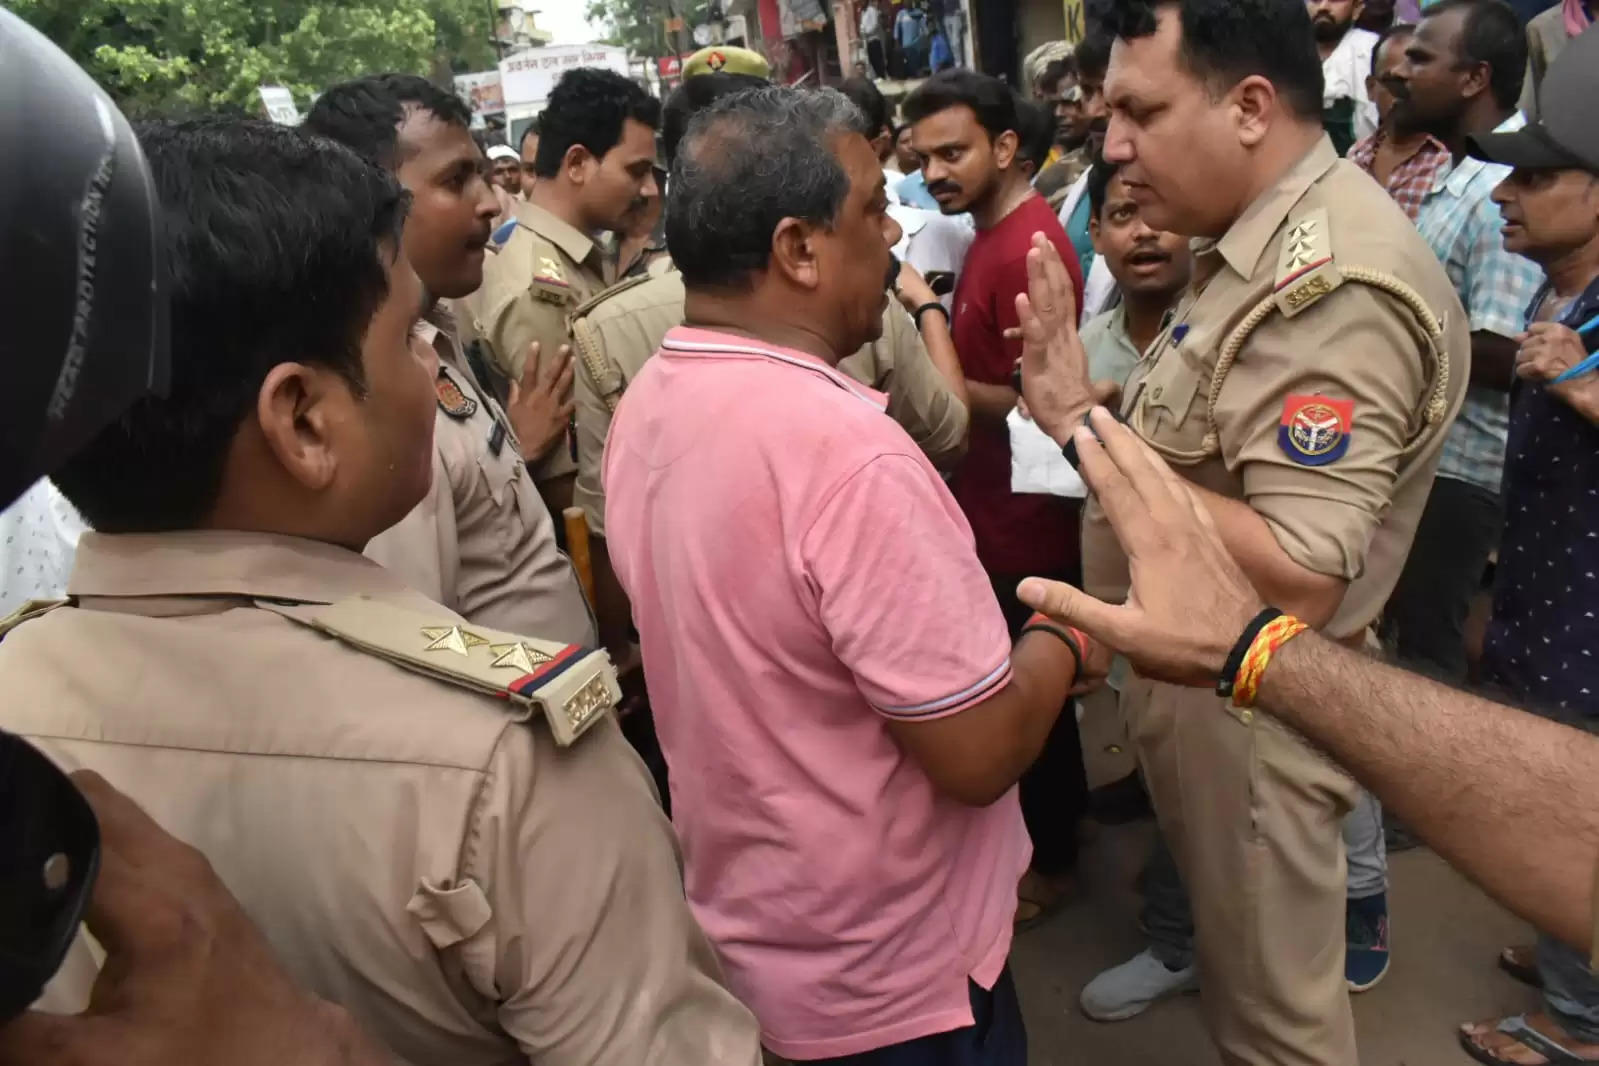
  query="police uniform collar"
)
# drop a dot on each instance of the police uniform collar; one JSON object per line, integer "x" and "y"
{"x": 1245, "y": 242}
{"x": 216, "y": 563}
{"x": 570, "y": 240}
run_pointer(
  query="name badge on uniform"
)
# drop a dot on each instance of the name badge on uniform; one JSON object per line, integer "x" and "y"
{"x": 1315, "y": 429}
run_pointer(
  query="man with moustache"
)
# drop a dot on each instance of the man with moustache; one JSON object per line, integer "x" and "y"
{"x": 966, "y": 131}
{"x": 1347, "y": 109}
{"x": 1302, "y": 388}
{"x": 481, "y": 542}
{"x": 1403, "y": 160}
{"x": 834, "y": 688}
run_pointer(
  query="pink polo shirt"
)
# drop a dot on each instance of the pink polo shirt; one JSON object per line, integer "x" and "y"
{"x": 799, "y": 574}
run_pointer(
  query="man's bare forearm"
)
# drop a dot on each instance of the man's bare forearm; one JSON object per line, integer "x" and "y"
{"x": 941, "y": 350}
{"x": 1279, "y": 580}
{"x": 1506, "y": 797}
{"x": 991, "y": 403}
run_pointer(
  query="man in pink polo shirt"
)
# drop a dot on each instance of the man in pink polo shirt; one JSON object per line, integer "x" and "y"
{"x": 843, "y": 713}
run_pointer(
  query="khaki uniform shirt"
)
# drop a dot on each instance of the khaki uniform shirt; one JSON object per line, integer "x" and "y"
{"x": 615, "y": 334}
{"x": 413, "y": 849}
{"x": 481, "y": 542}
{"x": 1321, "y": 295}
{"x": 542, "y": 271}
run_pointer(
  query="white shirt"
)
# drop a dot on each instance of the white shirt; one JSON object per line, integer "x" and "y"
{"x": 38, "y": 541}
{"x": 1099, "y": 286}
{"x": 1344, "y": 75}
{"x": 933, "y": 242}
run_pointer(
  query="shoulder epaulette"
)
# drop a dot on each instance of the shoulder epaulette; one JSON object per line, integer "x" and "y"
{"x": 1305, "y": 268}
{"x": 572, "y": 686}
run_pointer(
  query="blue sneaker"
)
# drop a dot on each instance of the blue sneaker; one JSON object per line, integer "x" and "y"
{"x": 1366, "y": 942}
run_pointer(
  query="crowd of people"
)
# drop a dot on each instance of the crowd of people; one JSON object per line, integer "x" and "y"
{"x": 515, "y": 600}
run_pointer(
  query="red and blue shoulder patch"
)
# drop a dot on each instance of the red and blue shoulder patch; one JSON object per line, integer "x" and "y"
{"x": 1315, "y": 430}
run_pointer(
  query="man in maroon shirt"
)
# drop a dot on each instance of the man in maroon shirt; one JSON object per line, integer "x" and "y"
{"x": 965, "y": 131}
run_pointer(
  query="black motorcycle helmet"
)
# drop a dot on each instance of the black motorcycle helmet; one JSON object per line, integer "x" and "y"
{"x": 84, "y": 336}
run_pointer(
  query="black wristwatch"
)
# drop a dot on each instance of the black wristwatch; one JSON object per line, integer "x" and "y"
{"x": 916, "y": 315}
{"x": 1069, "y": 449}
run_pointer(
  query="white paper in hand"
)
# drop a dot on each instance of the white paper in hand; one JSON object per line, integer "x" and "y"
{"x": 1036, "y": 463}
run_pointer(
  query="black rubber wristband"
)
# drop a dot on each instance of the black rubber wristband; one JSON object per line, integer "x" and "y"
{"x": 1235, "y": 658}
{"x": 916, "y": 315}
{"x": 1065, "y": 638}
{"x": 1069, "y": 449}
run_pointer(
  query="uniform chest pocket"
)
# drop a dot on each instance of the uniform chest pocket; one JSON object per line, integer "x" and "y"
{"x": 501, "y": 473}
{"x": 1170, "y": 410}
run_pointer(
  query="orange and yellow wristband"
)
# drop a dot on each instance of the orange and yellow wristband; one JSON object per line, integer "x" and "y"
{"x": 1246, "y": 665}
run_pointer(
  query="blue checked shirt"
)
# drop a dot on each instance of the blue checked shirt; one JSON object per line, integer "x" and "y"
{"x": 1462, "y": 223}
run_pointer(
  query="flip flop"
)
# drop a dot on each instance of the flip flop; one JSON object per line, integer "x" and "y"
{"x": 1037, "y": 894}
{"x": 1516, "y": 1026}
{"x": 1526, "y": 973}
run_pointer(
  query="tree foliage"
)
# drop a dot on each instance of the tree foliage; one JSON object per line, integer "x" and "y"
{"x": 639, "y": 25}
{"x": 174, "y": 56}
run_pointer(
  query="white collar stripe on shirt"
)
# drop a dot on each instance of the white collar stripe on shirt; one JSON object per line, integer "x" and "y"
{"x": 690, "y": 347}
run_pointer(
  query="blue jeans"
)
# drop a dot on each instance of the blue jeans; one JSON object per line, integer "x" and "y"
{"x": 997, "y": 1038}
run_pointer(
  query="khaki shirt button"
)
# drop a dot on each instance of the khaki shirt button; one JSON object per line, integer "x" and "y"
{"x": 1246, "y": 716}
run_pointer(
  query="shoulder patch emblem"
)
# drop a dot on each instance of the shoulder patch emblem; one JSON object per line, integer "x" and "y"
{"x": 452, "y": 401}
{"x": 1315, "y": 430}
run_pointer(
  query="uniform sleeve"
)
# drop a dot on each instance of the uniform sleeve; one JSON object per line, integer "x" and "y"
{"x": 509, "y": 329}
{"x": 423, "y": 549}
{"x": 593, "y": 425}
{"x": 588, "y": 947}
{"x": 918, "y": 397}
{"x": 1357, "y": 345}
{"x": 901, "y": 594}
{"x": 1498, "y": 286}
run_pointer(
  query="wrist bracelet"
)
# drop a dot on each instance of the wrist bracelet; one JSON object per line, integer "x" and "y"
{"x": 1070, "y": 636}
{"x": 916, "y": 315}
{"x": 1069, "y": 449}
{"x": 1246, "y": 664}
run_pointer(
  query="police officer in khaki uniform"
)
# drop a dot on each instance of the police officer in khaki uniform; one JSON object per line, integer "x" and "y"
{"x": 481, "y": 542}
{"x": 595, "y": 162}
{"x": 435, "y": 823}
{"x": 616, "y": 332}
{"x": 1304, "y": 385}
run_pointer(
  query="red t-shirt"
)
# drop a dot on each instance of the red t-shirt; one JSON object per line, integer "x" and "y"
{"x": 1016, "y": 534}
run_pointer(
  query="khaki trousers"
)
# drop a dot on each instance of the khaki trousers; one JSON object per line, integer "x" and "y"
{"x": 1253, "y": 817}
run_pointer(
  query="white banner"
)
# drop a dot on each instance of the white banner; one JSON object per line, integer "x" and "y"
{"x": 528, "y": 76}
{"x": 279, "y": 104}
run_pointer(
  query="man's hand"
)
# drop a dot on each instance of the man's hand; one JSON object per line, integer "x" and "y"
{"x": 188, "y": 978}
{"x": 540, "y": 405}
{"x": 1054, "y": 366}
{"x": 1548, "y": 350}
{"x": 1189, "y": 601}
{"x": 912, "y": 289}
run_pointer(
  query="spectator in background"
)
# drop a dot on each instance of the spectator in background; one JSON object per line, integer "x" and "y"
{"x": 1404, "y": 161}
{"x": 1461, "y": 76}
{"x": 910, "y": 34}
{"x": 967, "y": 133}
{"x": 1347, "y": 110}
{"x": 872, "y": 34}
{"x": 1035, "y": 138}
{"x": 950, "y": 20}
{"x": 503, "y": 166}
{"x": 1378, "y": 15}
{"x": 905, "y": 160}
{"x": 1547, "y": 36}
{"x": 529, "y": 156}
{"x": 1541, "y": 640}
{"x": 1069, "y": 157}
{"x": 866, "y": 96}
{"x": 1092, "y": 56}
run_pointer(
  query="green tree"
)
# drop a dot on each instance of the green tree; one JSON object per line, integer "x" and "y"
{"x": 167, "y": 56}
{"x": 640, "y": 25}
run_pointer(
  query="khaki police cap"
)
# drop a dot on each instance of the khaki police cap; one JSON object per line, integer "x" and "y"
{"x": 726, "y": 59}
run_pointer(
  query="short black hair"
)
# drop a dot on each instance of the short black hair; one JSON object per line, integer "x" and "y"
{"x": 1099, "y": 176}
{"x": 1397, "y": 32}
{"x": 1092, "y": 54}
{"x": 864, "y": 95}
{"x": 1491, "y": 33}
{"x": 1226, "y": 41}
{"x": 988, "y": 97}
{"x": 693, "y": 96}
{"x": 276, "y": 243}
{"x": 365, "y": 114}
{"x": 1035, "y": 134}
{"x": 589, "y": 106}
{"x": 748, "y": 161}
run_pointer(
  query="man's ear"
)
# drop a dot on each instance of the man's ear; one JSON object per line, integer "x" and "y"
{"x": 299, "y": 409}
{"x": 1254, "y": 103}
{"x": 1476, "y": 78}
{"x": 576, "y": 164}
{"x": 1005, "y": 149}
{"x": 1093, "y": 231}
{"x": 794, "y": 253}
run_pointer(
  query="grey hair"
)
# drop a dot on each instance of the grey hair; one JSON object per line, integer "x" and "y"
{"x": 748, "y": 161}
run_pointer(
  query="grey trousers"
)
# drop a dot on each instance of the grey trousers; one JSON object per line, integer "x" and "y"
{"x": 1168, "y": 921}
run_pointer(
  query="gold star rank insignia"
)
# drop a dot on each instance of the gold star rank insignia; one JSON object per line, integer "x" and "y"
{"x": 451, "y": 638}
{"x": 517, "y": 656}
